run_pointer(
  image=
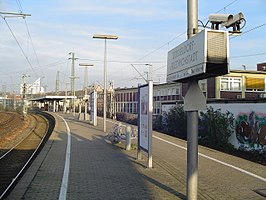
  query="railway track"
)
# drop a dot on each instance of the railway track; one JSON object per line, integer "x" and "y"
{"x": 10, "y": 122}
{"x": 16, "y": 159}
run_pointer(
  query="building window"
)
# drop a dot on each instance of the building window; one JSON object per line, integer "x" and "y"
{"x": 203, "y": 87}
{"x": 255, "y": 84}
{"x": 230, "y": 84}
{"x": 177, "y": 91}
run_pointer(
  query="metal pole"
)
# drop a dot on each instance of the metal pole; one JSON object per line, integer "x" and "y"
{"x": 192, "y": 18}
{"x": 72, "y": 77}
{"x": 105, "y": 37}
{"x": 4, "y": 96}
{"x": 24, "y": 86}
{"x": 150, "y": 82}
{"x": 65, "y": 99}
{"x": 85, "y": 88}
{"x": 14, "y": 103}
{"x": 73, "y": 82}
{"x": 86, "y": 92}
{"x": 150, "y": 123}
{"x": 57, "y": 83}
{"x": 192, "y": 116}
{"x": 15, "y": 14}
{"x": 192, "y": 155}
{"x": 104, "y": 85}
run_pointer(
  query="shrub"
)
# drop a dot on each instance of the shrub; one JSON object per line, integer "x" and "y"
{"x": 126, "y": 117}
{"x": 215, "y": 128}
{"x": 157, "y": 123}
{"x": 176, "y": 122}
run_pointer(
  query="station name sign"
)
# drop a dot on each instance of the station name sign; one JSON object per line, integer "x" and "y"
{"x": 202, "y": 56}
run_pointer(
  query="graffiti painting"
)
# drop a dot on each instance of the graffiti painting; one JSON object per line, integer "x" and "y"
{"x": 251, "y": 129}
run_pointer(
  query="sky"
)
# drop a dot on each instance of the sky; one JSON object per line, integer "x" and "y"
{"x": 39, "y": 45}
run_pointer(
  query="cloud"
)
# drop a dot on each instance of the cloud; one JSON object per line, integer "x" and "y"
{"x": 145, "y": 29}
{"x": 137, "y": 9}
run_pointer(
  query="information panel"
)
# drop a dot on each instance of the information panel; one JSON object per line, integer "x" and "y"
{"x": 143, "y": 117}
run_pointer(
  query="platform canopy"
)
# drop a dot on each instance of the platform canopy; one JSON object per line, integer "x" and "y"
{"x": 52, "y": 98}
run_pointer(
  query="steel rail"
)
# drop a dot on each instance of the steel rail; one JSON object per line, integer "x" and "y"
{"x": 28, "y": 161}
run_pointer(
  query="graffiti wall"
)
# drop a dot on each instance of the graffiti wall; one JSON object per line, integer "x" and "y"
{"x": 250, "y": 124}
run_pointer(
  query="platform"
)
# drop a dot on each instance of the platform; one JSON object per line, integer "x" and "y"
{"x": 100, "y": 170}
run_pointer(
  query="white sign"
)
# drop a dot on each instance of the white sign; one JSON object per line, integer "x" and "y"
{"x": 143, "y": 115}
{"x": 93, "y": 108}
{"x": 194, "y": 57}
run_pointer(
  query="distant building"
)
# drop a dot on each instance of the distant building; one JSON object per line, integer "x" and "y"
{"x": 238, "y": 84}
{"x": 10, "y": 101}
{"x": 126, "y": 99}
{"x": 34, "y": 88}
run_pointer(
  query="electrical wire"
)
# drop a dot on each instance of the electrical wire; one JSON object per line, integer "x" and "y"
{"x": 250, "y": 55}
{"x": 33, "y": 47}
{"x": 116, "y": 61}
{"x": 23, "y": 52}
{"x": 252, "y": 29}
{"x": 167, "y": 43}
{"x": 226, "y": 6}
{"x": 37, "y": 59}
{"x": 221, "y": 9}
{"x": 19, "y": 5}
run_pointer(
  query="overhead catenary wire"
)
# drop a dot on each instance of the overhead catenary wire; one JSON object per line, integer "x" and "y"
{"x": 23, "y": 52}
{"x": 28, "y": 31}
{"x": 19, "y": 5}
{"x": 249, "y": 55}
{"x": 60, "y": 61}
{"x": 183, "y": 33}
{"x": 222, "y": 8}
{"x": 33, "y": 47}
{"x": 121, "y": 61}
{"x": 155, "y": 50}
{"x": 248, "y": 31}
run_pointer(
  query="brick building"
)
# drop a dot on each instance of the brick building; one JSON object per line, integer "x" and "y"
{"x": 238, "y": 84}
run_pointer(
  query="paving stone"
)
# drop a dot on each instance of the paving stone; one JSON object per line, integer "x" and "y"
{"x": 101, "y": 170}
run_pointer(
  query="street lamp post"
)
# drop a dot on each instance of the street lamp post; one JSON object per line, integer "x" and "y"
{"x": 105, "y": 37}
{"x": 86, "y": 86}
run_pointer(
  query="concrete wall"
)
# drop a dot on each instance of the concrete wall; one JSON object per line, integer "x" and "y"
{"x": 250, "y": 124}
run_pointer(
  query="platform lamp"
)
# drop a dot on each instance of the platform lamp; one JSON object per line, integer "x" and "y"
{"x": 105, "y": 37}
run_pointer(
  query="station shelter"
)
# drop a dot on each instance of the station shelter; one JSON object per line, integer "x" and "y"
{"x": 53, "y": 103}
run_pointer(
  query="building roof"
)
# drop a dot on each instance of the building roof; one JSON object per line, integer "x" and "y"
{"x": 248, "y": 72}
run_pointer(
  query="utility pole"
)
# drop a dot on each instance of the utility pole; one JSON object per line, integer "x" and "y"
{"x": 65, "y": 107}
{"x": 45, "y": 88}
{"x": 86, "y": 65}
{"x": 14, "y": 100}
{"x": 4, "y": 96}
{"x": 72, "y": 80}
{"x": 24, "y": 102}
{"x": 57, "y": 83}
